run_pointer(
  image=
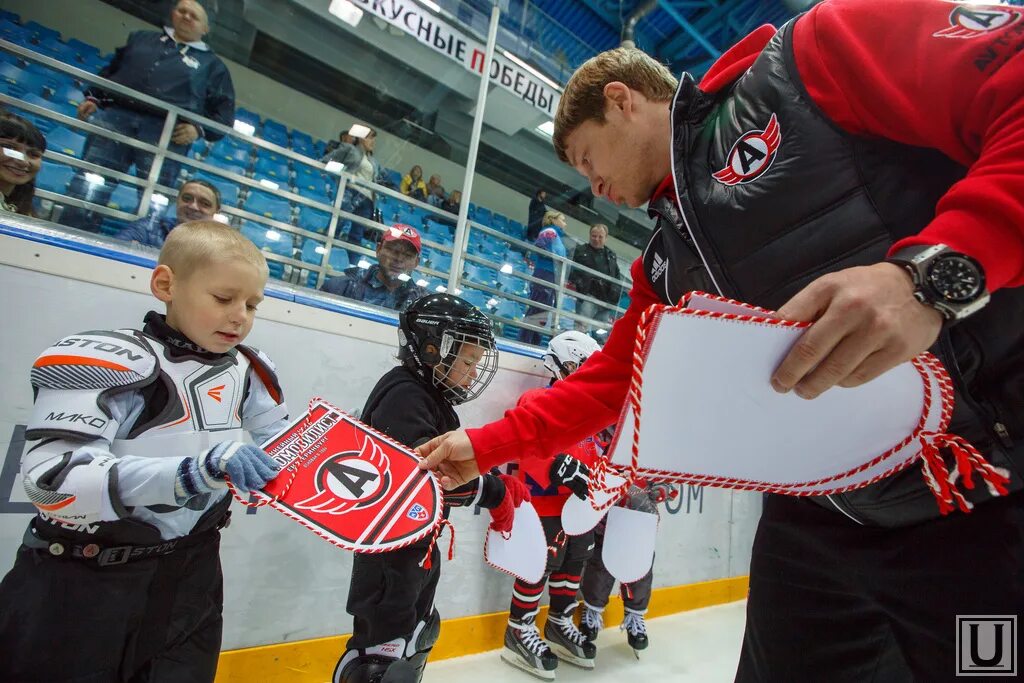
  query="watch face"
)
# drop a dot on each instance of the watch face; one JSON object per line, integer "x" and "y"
{"x": 956, "y": 279}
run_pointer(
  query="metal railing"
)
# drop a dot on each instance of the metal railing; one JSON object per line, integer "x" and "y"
{"x": 484, "y": 247}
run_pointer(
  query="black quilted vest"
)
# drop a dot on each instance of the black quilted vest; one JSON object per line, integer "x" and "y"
{"x": 775, "y": 195}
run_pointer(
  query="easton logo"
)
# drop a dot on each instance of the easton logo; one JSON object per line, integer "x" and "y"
{"x": 970, "y": 22}
{"x": 214, "y": 393}
{"x": 350, "y": 480}
{"x": 751, "y": 155}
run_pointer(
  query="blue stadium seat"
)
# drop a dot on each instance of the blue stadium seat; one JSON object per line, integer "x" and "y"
{"x": 394, "y": 177}
{"x": 338, "y": 259}
{"x": 476, "y": 297}
{"x": 43, "y": 123}
{"x": 125, "y": 197}
{"x": 517, "y": 230}
{"x": 271, "y": 240}
{"x": 94, "y": 63}
{"x": 54, "y": 48}
{"x": 312, "y": 251}
{"x": 11, "y": 74}
{"x": 483, "y": 216}
{"x": 481, "y": 275}
{"x": 268, "y": 205}
{"x": 54, "y": 177}
{"x": 250, "y": 117}
{"x": 69, "y": 93}
{"x": 513, "y": 310}
{"x": 85, "y": 51}
{"x": 320, "y": 149}
{"x": 302, "y": 143}
{"x": 7, "y": 15}
{"x": 314, "y": 220}
{"x": 271, "y": 168}
{"x": 228, "y": 190}
{"x": 230, "y": 167}
{"x": 311, "y": 183}
{"x": 500, "y": 223}
{"x": 276, "y": 132}
{"x": 41, "y": 32}
{"x": 199, "y": 149}
{"x": 227, "y": 149}
{"x": 514, "y": 285}
{"x": 36, "y": 76}
{"x": 441, "y": 261}
{"x": 62, "y": 140}
{"x": 15, "y": 32}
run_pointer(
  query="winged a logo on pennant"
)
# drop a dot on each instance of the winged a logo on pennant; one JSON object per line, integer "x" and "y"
{"x": 751, "y": 155}
{"x": 351, "y": 486}
{"x": 350, "y": 480}
{"x": 969, "y": 21}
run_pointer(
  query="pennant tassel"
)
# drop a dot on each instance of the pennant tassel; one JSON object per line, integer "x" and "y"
{"x": 968, "y": 461}
{"x": 426, "y": 562}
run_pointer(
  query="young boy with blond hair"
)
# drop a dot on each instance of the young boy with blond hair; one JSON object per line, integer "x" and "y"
{"x": 136, "y": 434}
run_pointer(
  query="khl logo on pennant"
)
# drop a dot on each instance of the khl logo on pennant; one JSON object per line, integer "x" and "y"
{"x": 418, "y": 513}
{"x": 986, "y": 645}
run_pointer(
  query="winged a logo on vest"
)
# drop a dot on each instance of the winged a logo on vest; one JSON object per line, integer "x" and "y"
{"x": 968, "y": 21}
{"x": 751, "y": 155}
{"x": 350, "y": 480}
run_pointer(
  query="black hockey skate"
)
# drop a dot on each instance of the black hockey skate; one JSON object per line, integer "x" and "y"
{"x": 525, "y": 649}
{"x": 636, "y": 631}
{"x": 568, "y": 643}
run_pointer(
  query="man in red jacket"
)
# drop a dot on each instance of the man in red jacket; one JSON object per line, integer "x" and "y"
{"x": 862, "y": 168}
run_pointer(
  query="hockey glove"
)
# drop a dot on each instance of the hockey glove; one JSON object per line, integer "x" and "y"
{"x": 504, "y": 514}
{"x": 247, "y": 466}
{"x": 569, "y": 472}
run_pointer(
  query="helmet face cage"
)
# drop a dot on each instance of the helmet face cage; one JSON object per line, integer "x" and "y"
{"x": 447, "y": 377}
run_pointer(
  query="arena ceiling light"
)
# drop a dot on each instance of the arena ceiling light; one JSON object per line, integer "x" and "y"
{"x": 220, "y": 218}
{"x": 431, "y": 5}
{"x": 422, "y": 283}
{"x": 321, "y": 250}
{"x": 363, "y": 263}
{"x": 269, "y": 183}
{"x": 402, "y": 277}
{"x": 346, "y": 11}
{"x": 160, "y": 200}
{"x": 14, "y": 154}
{"x": 94, "y": 179}
{"x": 244, "y": 127}
{"x": 273, "y": 235}
{"x": 335, "y": 167}
{"x": 507, "y": 268}
{"x": 358, "y": 130}
{"x": 547, "y": 128}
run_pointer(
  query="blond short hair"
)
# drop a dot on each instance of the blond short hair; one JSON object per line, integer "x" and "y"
{"x": 550, "y": 216}
{"x": 197, "y": 244}
{"x": 599, "y": 226}
{"x": 583, "y": 99}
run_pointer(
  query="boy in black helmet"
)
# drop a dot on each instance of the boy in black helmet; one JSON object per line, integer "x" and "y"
{"x": 448, "y": 357}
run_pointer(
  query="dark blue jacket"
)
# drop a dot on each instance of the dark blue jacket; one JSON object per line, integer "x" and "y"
{"x": 363, "y": 285}
{"x": 149, "y": 231}
{"x": 188, "y": 76}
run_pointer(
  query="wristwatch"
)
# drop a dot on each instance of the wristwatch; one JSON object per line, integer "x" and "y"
{"x": 950, "y": 282}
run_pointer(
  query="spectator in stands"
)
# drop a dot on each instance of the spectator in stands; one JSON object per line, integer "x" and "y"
{"x": 21, "y": 157}
{"x": 413, "y": 185}
{"x": 536, "y": 220}
{"x": 357, "y": 158}
{"x": 173, "y": 65}
{"x": 545, "y": 268}
{"x": 344, "y": 137}
{"x": 389, "y": 284}
{"x": 435, "y": 191}
{"x": 596, "y": 256}
{"x": 453, "y": 203}
{"x": 197, "y": 200}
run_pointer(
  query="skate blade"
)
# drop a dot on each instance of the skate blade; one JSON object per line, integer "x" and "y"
{"x": 636, "y": 653}
{"x": 517, "y": 661}
{"x": 566, "y": 656}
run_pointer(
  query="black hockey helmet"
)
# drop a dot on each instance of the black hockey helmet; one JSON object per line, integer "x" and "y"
{"x": 432, "y": 330}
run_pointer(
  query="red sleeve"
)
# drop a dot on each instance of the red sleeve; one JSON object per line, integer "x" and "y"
{"x": 574, "y": 408}
{"x": 940, "y": 75}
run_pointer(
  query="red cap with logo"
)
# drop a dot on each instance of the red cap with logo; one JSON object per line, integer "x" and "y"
{"x": 401, "y": 231}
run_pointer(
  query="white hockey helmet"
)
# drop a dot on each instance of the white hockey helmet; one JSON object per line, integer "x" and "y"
{"x": 567, "y": 351}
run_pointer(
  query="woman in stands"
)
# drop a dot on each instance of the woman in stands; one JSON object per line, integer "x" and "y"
{"x": 413, "y": 185}
{"x": 544, "y": 268}
{"x": 357, "y": 158}
{"x": 21, "y": 156}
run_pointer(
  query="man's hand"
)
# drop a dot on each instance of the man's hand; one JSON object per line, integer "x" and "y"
{"x": 866, "y": 321}
{"x": 86, "y": 109}
{"x": 184, "y": 134}
{"x": 452, "y": 456}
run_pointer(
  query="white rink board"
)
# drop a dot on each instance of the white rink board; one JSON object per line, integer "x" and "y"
{"x": 282, "y": 583}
